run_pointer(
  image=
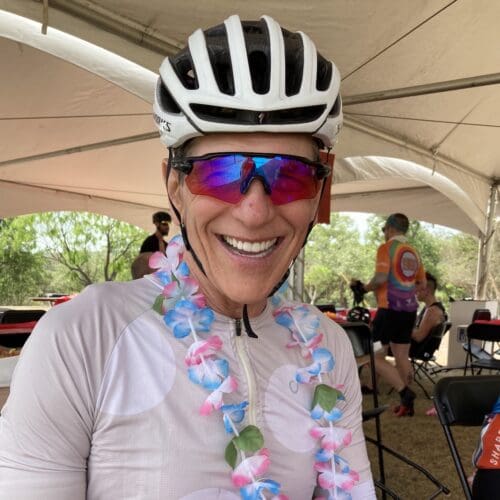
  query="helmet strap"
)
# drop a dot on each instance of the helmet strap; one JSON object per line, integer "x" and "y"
{"x": 184, "y": 233}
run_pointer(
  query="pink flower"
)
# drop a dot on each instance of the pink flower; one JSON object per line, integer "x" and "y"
{"x": 328, "y": 479}
{"x": 332, "y": 438}
{"x": 250, "y": 467}
{"x": 159, "y": 261}
{"x": 306, "y": 348}
{"x": 214, "y": 400}
{"x": 184, "y": 289}
{"x": 202, "y": 349}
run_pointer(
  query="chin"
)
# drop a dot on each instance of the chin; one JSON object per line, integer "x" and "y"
{"x": 248, "y": 293}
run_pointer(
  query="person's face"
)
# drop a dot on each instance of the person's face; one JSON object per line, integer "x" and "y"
{"x": 245, "y": 248}
{"x": 422, "y": 292}
{"x": 386, "y": 231}
{"x": 163, "y": 227}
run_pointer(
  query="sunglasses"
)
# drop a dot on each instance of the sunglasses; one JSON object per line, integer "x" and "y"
{"x": 227, "y": 176}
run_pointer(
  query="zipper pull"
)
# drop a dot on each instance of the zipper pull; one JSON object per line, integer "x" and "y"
{"x": 238, "y": 327}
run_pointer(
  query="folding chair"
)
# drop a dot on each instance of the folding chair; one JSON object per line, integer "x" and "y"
{"x": 464, "y": 401}
{"x": 478, "y": 357}
{"x": 21, "y": 318}
{"x": 361, "y": 339}
{"x": 481, "y": 314}
{"x": 422, "y": 354}
{"x": 21, "y": 315}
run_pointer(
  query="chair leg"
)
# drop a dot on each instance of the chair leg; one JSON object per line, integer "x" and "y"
{"x": 441, "y": 487}
{"x": 417, "y": 370}
{"x": 458, "y": 463}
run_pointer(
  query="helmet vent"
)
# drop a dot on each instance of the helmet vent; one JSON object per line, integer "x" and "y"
{"x": 220, "y": 59}
{"x": 259, "y": 56}
{"x": 294, "y": 61}
{"x": 324, "y": 74}
{"x": 166, "y": 100}
{"x": 336, "y": 107}
{"x": 259, "y": 68}
{"x": 183, "y": 67}
{"x": 250, "y": 117}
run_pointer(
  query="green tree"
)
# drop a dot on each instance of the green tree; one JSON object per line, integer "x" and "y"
{"x": 334, "y": 255}
{"x": 22, "y": 266}
{"x": 458, "y": 265}
{"x": 91, "y": 247}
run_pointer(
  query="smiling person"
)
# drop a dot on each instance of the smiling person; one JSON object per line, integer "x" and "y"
{"x": 202, "y": 381}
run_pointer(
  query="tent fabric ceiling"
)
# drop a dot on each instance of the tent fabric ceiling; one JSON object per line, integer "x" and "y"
{"x": 376, "y": 45}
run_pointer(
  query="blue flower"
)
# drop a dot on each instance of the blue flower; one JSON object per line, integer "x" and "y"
{"x": 182, "y": 271}
{"x": 163, "y": 277}
{"x": 332, "y": 416}
{"x": 299, "y": 320}
{"x": 187, "y": 316}
{"x": 278, "y": 297}
{"x": 210, "y": 374}
{"x": 254, "y": 491}
{"x": 233, "y": 413}
{"x": 343, "y": 464}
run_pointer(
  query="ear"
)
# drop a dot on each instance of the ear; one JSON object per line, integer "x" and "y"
{"x": 171, "y": 178}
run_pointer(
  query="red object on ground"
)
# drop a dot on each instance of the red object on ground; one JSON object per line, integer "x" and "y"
{"x": 9, "y": 328}
{"x": 65, "y": 298}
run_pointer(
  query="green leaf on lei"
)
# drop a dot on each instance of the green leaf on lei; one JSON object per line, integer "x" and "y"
{"x": 157, "y": 306}
{"x": 231, "y": 454}
{"x": 250, "y": 439}
{"x": 325, "y": 396}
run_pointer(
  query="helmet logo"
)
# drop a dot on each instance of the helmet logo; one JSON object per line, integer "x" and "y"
{"x": 162, "y": 124}
{"x": 261, "y": 116}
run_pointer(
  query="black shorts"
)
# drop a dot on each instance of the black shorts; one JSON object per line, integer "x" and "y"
{"x": 393, "y": 326}
{"x": 486, "y": 484}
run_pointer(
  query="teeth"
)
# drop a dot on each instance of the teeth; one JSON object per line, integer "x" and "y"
{"x": 246, "y": 246}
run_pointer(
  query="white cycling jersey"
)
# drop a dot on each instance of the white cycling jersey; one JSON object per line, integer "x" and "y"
{"x": 101, "y": 407}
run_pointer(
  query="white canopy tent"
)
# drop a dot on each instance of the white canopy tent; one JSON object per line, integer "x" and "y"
{"x": 77, "y": 132}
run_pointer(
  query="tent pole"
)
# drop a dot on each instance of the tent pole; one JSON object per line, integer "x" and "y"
{"x": 485, "y": 243}
{"x": 80, "y": 149}
{"x": 429, "y": 88}
{"x": 411, "y": 146}
{"x": 119, "y": 25}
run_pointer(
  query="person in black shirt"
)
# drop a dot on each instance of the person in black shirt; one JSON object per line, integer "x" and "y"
{"x": 155, "y": 242}
{"x": 433, "y": 312}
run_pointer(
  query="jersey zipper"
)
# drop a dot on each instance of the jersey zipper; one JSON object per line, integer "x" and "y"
{"x": 247, "y": 370}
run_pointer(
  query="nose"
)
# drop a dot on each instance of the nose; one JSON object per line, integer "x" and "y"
{"x": 256, "y": 207}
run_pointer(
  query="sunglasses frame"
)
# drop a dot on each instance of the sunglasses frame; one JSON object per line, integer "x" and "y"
{"x": 185, "y": 165}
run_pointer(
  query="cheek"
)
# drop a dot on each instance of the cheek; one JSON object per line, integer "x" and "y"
{"x": 299, "y": 214}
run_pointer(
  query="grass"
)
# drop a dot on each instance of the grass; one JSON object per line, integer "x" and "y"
{"x": 420, "y": 438}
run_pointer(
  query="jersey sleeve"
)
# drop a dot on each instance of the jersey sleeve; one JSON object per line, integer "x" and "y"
{"x": 47, "y": 421}
{"x": 345, "y": 375}
{"x": 383, "y": 262}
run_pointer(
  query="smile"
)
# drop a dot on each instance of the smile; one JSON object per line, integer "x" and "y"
{"x": 250, "y": 248}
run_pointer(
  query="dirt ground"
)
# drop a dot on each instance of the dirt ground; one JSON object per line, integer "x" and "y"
{"x": 420, "y": 438}
{"x": 4, "y": 392}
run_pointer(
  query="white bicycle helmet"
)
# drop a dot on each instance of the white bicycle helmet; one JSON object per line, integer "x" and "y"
{"x": 247, "y": 76}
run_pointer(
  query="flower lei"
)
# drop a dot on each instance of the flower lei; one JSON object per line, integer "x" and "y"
{"x": 185, "y": 313}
